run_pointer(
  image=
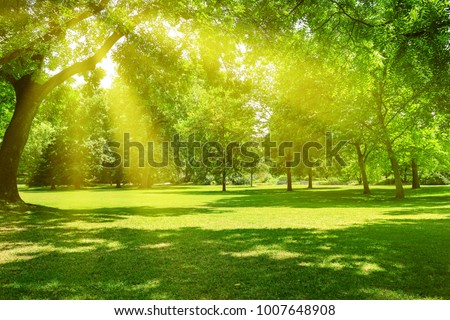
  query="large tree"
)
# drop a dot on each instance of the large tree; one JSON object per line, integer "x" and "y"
{"x": 36, "y": 33}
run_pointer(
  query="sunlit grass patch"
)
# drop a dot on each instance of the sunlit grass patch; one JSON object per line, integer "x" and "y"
{"x": 249, "y": 243}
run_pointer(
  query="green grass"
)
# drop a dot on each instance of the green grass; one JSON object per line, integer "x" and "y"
{"x": 248, "y": 243}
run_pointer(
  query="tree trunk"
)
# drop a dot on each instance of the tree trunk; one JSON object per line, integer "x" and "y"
{"x": 310, "y": 178}
{"x": 289, "y": 179}
{"x": 224, "y": 180}
{"x": 415, "y": 174}
{"x": 16, "y": 136}
{"x": 251, "y": 178}
{"x": 147, "y": 180}
{"x": 118, "y": 177}
{"x": 77, "y": 184}
{"x": 362, "y": 168}
{"x": 399, "y": 192}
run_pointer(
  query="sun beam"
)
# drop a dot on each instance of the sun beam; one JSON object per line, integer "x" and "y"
{"x": 109, "y": 66}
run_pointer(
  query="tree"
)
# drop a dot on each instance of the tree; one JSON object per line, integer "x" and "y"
{"x": 25, "y": 66}
{"x": 221, "y": 121}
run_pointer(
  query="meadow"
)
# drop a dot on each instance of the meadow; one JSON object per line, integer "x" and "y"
{"x": 196, "y": 242}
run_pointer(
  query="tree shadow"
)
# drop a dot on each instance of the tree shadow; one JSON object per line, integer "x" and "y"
{"x": 34, "y": 216}
{"x": 328, "y": 198}
{"x": 48, "y": 253}
{"x": 399, "y": 259}
{"x": 420, "y": 211}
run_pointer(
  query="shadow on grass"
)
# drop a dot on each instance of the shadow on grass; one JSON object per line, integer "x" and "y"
{"x": 332, "y": 198}
{"x": 47, "y": 254}
{"x": 399, "y": 259}
{"x": 35, "y": 216}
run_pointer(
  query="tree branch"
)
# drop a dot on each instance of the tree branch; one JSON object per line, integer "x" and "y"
{"x": 324, "y": 22}
{"x": 420, "y": 33}
{"x": 55, "y": 32}
{"x": 368, "y": 126}
{"x": 296, "y": 7}
{"x": 367, "y": 153}
{"x": 413, "y": 34}
{"x": 351, "y": 17}
{"x": 83, "y": 66}
{"x": 400, "y": 134}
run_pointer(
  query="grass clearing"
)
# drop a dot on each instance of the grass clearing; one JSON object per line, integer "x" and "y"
{"x": 249, "y": 243}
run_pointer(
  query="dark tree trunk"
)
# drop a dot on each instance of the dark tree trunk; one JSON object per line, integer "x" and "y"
{"x": 118, "y": 177}
{"x": 77, "y": 185}
{"x": 251, "y": 178}
{"x": 399, "y": 192}
{"x": 362, "y": 168}
{"x": 415, "y": 174}
{"x": 288, "y": 171}
{"x": 224, "y": 180}
{"x": 310, "y": 178}
{"x": 289, "y": 179}
{"x": 16, "y": 136}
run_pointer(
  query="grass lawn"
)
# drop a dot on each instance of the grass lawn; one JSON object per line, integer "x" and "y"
{"x": 249, "y": 243}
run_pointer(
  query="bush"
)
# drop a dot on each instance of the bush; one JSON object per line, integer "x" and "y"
{"x": 240, "y": 180}
{"x": 386, "y": 182}
{"x": 436, "y": 178}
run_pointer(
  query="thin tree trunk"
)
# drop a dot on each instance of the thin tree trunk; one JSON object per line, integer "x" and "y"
{"x": 362, "y": 168}
{"x": 310, "y": 178}
{"x": 399, "y": 192}
{"x": 289, "y": 171}
{"x": 415, "y": 174}
{"x": 289, "y": 178}
{"x": 224, "y": 180}
{"x": 118, "y": 176}
{"x": 251, "y": 179}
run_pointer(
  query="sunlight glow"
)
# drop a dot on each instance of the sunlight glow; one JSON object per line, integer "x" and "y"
{"x": 109, "y": 66}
